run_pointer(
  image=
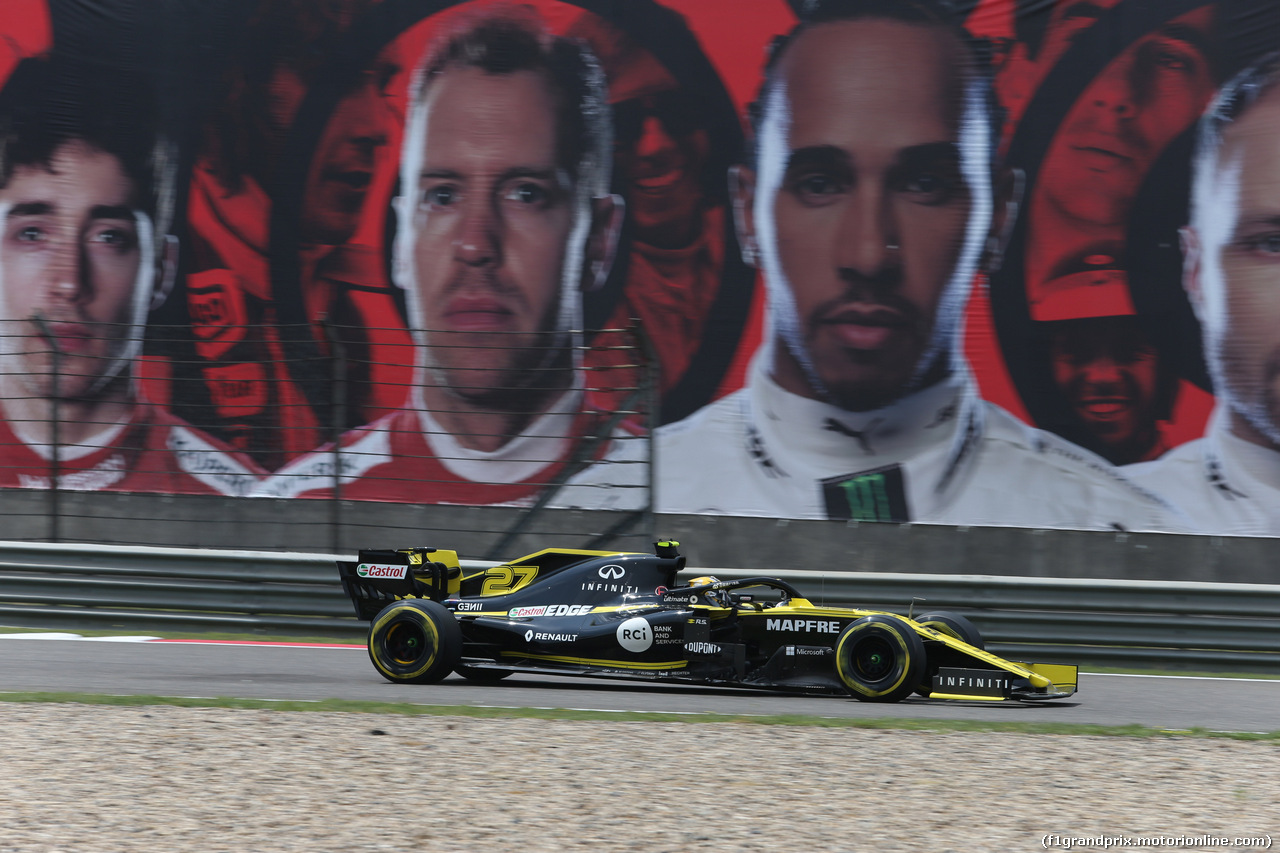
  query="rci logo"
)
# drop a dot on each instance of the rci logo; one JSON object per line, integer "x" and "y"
{"x": 635, "y": 635}
{"x": 612, "y": 572}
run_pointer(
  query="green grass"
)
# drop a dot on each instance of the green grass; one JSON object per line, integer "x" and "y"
{"x": 409, "y": 709}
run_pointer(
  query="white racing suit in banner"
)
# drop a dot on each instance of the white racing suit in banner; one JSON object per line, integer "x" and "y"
{"x": 940, "y": 456}
{"x": 1224, "y": 484}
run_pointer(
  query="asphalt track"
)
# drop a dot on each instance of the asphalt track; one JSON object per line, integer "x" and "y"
{"x": 301, "y": 672}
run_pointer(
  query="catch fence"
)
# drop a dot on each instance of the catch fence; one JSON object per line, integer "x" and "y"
{"x": 337, "y": 415}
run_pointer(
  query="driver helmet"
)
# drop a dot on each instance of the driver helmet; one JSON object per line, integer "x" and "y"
{"x": 718, "y": 597}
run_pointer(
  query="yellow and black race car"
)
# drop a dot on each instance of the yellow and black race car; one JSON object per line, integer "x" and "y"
{"x": 624, "y": 615}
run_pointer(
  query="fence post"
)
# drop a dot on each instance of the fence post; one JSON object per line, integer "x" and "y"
{"x": 337, "y": 426}
{"x": 55, "y": 439}
{"x": 653, "y": 402}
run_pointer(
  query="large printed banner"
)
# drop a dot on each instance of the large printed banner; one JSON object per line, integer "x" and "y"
{"x": 977, "y": 262}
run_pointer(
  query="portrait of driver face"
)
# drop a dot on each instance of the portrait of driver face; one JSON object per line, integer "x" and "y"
{"x": 503, "y": 223}
{"x": 869, "y": 205}
{"x": 70, "y": 254}
{"x": 495, "y": 211}
{"x": 660, "y": 149}
{"x": 1110, "y": 374}
{"x": 1233, "y": 269}
{"x": 279, "y": 61}
{"x": 350, "y": 151}
{"x": 1113, "y": 134}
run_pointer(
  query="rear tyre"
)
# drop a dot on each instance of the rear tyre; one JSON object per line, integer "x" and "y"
{"x": 953, "y": 625}
{"x": 480, "y": 675}
{"x": 880, "y": 658}
{"x": 415, "y": 641}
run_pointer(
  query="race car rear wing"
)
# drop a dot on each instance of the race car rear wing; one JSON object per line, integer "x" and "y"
{"x": 380, "y": 577}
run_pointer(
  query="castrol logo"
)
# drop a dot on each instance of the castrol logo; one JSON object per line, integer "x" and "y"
{"x": 379, "y": 570}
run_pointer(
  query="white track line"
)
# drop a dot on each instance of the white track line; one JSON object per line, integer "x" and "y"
{"x": 1181, "y": 677}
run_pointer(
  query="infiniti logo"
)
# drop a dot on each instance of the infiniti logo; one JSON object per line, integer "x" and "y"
{"x": 612, "y": 571}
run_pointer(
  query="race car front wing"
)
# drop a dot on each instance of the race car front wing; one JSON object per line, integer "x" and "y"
{"x": 997, "y": 685}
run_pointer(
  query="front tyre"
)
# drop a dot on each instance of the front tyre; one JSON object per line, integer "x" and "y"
{"x": 953, "y": 625}
{"x": 415, "y": 641}
{"x": 880, "y": 658}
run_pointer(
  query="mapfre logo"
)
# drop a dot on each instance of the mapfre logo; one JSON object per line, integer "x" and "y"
{"x": 612, "y": 572}
{"x": 378, "y": 570}
{"x": 820, "y": 626}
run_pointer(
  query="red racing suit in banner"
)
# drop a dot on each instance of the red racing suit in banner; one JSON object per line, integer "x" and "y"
{"x": 153, "y": 452}
{"x": 670, "y": 291}
{"x": 260, "y": 407}
{"x": 408, "y": 457}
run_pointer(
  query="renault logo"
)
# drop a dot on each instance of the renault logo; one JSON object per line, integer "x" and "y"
{"x": 612, "y": 572}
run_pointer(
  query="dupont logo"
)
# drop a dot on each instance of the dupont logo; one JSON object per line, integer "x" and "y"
{"x": 378, "y": 570}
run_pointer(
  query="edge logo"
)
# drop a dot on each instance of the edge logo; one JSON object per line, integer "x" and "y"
{"x": 549, "y": 610}
{"x": 635, "y": 635}
{"x": 379, "y": 570}
{"x": 611, "y": 572}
